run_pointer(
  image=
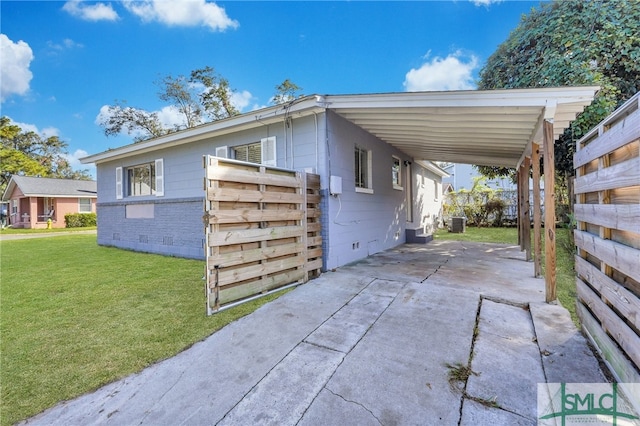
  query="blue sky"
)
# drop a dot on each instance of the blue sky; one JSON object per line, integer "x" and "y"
{"x": 62, "y": 62}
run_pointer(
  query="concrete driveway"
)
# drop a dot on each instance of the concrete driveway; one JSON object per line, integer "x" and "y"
{"x": 376, "y": 342}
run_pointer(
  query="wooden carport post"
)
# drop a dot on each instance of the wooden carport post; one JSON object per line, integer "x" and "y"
{"x": 549, "y": 213}
{"x": 524, "y": 218}
{"x": 537, "y": 225}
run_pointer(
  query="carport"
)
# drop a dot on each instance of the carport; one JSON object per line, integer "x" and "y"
{"x": 507, "y": 128}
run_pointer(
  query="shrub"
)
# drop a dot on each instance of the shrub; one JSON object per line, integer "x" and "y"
{"x": 80, "y": 220}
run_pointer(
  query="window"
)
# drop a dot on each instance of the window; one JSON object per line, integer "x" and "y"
{"x": 263, "y": 152}
{"x": 396, "y": 176}
{"x": 14, "y": 206}
{"x": 251, "y": 153}
{"x": 84, "y": 205}
{"x": 141, "y": 180}
{"x": 363, "y": 170}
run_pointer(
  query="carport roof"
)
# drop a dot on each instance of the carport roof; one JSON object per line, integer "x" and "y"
{"x": 483, "y": 127}
{"x": 493, "y": 128}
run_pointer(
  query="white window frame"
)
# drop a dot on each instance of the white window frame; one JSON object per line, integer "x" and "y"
{"x": 360, "y": 186}
{"x": 119, "y": 191}
{"x": 159, "y": 177}
{"x": 222, "y": 151}
{"x": 396, "y": 175}
{"x": 157, "y": 188}
{"x": 80, "y": 206}
{"x": 268, "y": 151}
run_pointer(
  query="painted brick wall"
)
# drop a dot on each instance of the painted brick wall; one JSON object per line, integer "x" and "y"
{"x": 175, "y": 230}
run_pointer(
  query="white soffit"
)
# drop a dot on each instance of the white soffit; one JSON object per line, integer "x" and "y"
{"x": 492, "y": 128}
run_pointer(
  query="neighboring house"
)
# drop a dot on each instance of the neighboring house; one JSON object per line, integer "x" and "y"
{"x": 461, "y": 176}
{"x": 32, "y": 201}
{"x": 370, "y": 151}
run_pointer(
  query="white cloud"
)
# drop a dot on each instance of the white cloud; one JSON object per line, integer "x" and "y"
{"x": 93, "y": 12}
{"x": 28, "y": 127}
{"x": 485, "y": 3}
{"x": 74, "y": 161}
{"x": 241, "y": 100}
{"x": 455, "y": 72}
{"x": 182, "y": 13}
{"x": 67, "y": 43}
{"x": 170, "y": 117}
{"x": 15, "y": 75}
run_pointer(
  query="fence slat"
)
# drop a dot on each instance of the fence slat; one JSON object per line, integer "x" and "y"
{"x": 244, "y": 176}
{"x": 225, "y": 238}
{"x": 620, "y": 364}
{"x": 625, "y": 217}
{"x": 611, "y": 292}
{"x": 619, "y": 136}
{"x": 259, "y": 286}
{"x": 230, "y": 276}
{"x": 611, "y": 323}
{"x": 618, "y": 176}
{"x": 254, "y": 255}
{"x": 624, "y": 258}
{"x": 246, "y": 215}
{"x": 246, "y": 195}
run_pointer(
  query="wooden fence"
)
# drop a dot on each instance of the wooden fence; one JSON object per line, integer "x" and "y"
{"x": 607, "y": 211}
{"x": 262, "y": 230}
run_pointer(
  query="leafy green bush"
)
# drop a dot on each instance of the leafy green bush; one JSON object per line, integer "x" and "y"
{"x": 79, "y": 220}
{"x": 481, "y": 205}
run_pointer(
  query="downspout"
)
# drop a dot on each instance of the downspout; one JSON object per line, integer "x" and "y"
{"x": 315, "y": 119}
{"x": 284, "y": 128}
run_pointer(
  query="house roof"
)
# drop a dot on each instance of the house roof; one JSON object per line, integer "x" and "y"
{"x": 49, "y": 187}
{"x": 483, "y": 127}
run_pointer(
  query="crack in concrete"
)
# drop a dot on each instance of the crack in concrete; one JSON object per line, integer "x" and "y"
{"x": 473, "y": 343}
{"x": 435, "y": 271}
{"x": 356, "y": 403}
{"x": 147, "y": 412}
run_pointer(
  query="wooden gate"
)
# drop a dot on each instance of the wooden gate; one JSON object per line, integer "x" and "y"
{"x": 262, "y": 230}
{"x": 607, "y": 189}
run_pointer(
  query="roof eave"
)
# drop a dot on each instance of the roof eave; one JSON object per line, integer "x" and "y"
{"x": 261, "y": 117}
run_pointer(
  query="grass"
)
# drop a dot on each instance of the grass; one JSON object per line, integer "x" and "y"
{"x": 12, "y": 231}
{"x": 75, "y": 316}
{"x": 565, "y": 275}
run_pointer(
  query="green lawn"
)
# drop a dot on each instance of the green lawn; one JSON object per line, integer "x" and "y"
{"x": 11, "y": 231}
{"x": 565, "y": 276}
{"x": 75, "y": 316}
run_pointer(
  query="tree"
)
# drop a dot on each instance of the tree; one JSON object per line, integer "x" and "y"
{"x": 138, "y": 122}
{"x": 569, "y": 43}
{"x": 203, "y": 96}
{"x": 216, "y": 96}
{"x": 29, "y": 154}
{"x": 286, "y": 91}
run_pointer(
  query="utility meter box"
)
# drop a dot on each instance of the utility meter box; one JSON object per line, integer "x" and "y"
{"x": 335, "y": 185}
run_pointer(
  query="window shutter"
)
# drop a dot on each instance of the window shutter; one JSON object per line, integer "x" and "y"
{"x": 221, "y": 151}
{"x": 118, "y": 183}
{"x": 159, "y": 177}
{"x": 269, "y": 151}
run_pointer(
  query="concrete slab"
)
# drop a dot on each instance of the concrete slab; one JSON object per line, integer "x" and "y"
{"x": 347, "y": 326}
{"x": 366, "y": 344}
{"x": 283, "y": 396}
{"x": 566, "y": 356}
{"x": 397, "y": 371}
{"x": 506, "y": 360}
